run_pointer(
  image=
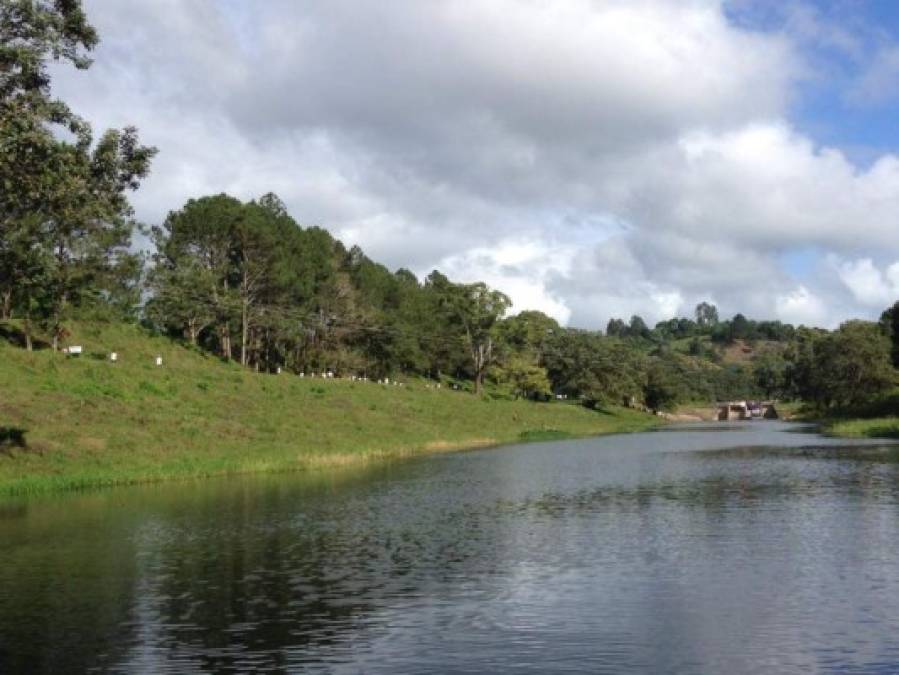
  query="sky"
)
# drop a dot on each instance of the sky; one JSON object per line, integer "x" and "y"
{"x": 591, "y": 158}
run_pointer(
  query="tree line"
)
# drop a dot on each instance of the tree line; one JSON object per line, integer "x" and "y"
{"x": 247, "y": 282}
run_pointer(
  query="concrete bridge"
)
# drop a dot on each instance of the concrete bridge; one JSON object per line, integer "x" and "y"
{"x": 745, "y": 410}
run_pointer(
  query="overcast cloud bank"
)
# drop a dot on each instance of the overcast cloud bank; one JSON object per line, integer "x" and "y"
{"x": 591, "y": 158}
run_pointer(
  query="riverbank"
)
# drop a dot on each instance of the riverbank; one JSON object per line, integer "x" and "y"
{"x": 81, "y": 422}
{"x": 874, "y": 419}
{"x": 874, "y": 427}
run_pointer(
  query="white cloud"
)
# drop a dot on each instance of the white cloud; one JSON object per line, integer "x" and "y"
{"x": 869, "y": 285}
{"x": 520, "y": 269}
{"x": 801, "y": 306}
{"x": 592, "y": 158}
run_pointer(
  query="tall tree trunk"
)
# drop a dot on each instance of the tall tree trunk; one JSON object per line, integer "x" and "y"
{"x": 478, "y": 354}
{"x": 224, "y": 332}
{"x": 226, "y": 342}
{"x": 55, "y": 339}
{"x": 57, "y": 321}
{"x": 482, "y": 355}
{"x": 6, "y": 306}
{"x": 26, "y": 325}
{"x": 244, "y": 331}
{"x": 63, "y": 296}
{"x": 192, "y": 331}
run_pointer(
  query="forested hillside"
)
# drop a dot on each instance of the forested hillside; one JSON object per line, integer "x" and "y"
{"x": 246, "y": 282}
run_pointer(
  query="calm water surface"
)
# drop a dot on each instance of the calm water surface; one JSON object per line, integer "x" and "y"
{"x": 745, "y": 548}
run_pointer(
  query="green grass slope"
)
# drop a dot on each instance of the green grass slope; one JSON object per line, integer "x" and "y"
{"x": 74, "y": 422}
{"x": 874, "y": 427}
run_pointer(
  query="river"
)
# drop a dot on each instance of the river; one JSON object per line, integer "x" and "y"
{"x": 729, "y": 548}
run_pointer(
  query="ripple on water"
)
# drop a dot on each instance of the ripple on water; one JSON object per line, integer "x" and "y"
{"x": 745, "y": 548}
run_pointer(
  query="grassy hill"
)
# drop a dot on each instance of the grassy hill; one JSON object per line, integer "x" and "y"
{"x": 739, "y": 352}
{"x": 72, "y": 422}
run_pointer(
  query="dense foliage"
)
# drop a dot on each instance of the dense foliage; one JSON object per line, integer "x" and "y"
{"x": 64, "y": 217}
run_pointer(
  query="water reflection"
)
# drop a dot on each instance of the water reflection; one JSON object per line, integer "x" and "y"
{"x": 748, "y": 550}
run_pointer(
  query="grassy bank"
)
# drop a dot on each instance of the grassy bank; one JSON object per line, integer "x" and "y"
{"x": 80, "y": 422}
{"x": 874, "y": 427}
{"x": 875, "y": 419}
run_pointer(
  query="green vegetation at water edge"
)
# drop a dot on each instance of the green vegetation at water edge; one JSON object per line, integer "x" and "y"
{"x": 875, "y": 427}
{"x": 72, "y": 422}
{"x": 876, "y": 417}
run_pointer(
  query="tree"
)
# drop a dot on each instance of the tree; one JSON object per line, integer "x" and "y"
{"x": 256, "y": 261}
{"x": 174, "y": 305}
{"x": 33, "y": 31}
{"x": 30, "y": 34}
{"x": 596, "y": 369}
{"x": 528, "y": 332}
{"x": 889, "y": 325}
{"x": 30, "y": 177}
{"x": 616, "y": 328}
{"x": 24, "y": 266}
{"x": 676, "y": 328}
{"x": 844, "y": 368}
{"x": 637, "y": 327}
{"x": 525, "y": 339}
{"x": 775, "y": 331}
{"x": 770, "y": 371}
{"x": 662, "y": 390}
{"x": 90, "y": 221}
{"x": 740, "y": 328}
{"x": 477, "y": 308}
{"x": 706, "y": 315}
{"x": 523, "y": 377}
{"x": 193, "y": 280}
{"x": 62, "y": 203}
